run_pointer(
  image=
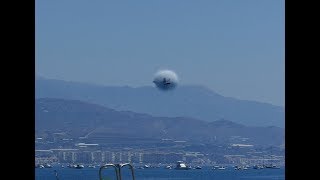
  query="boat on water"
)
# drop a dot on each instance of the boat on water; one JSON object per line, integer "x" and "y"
{"x": 47, "y": 166}
{"x": 218, "y": 167}
{"x": 272, "y": 166}
{"x": 39, "y": 166}
{"x": 215, "y": 167}
{"x": 198, "y": 167}
{"x": 221, "y": 168}
{"x": 168, "y": 167}
{"x": 91, "y": 166}
{"x": 258, "y": 167}
{"x": 76, "y": 166}
{"x": 43, "y": 166}
{"x": 241, "y": 167}
{"x": 181, "y": 166}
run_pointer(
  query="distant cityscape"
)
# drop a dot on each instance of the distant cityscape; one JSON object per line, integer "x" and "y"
{"x": 167, "y": 152}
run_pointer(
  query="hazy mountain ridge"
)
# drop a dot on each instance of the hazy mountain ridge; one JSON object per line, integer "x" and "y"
{"x": 190, "y": 101}
{"x": 79, "y": 118}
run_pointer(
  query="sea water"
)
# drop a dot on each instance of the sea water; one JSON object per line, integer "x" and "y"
{"x": 159, "y": 174}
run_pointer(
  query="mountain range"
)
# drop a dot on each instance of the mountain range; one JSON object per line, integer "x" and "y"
{"x": 196, "y": 102}
{"x": 82, "y": 119}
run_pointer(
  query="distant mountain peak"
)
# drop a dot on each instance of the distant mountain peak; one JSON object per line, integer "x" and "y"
{"x": 200, "y": 89}
{"x": 193, "y": 101}
{"x": 225, "y": 122}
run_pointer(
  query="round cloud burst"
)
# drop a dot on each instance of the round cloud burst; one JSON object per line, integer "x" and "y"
{"x": 165, "y": 80}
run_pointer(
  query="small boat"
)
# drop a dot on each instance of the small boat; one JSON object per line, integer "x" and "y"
{"x": 215, "y": 167}
{"x": 257, "y": 167}
{"x": 78, "y": 166}
{"x": 47, "y": 166}
{"x": 181, "y": 166}
{"x": 198, "y": 167}
{"x": 91, "y": 166}
{"x": 168, "y": 167}
{"x": 39, "y": 166}
{"x": 272, "y": 166}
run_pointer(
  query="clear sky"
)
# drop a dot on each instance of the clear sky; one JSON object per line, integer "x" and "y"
{"x": 234, "y": 47}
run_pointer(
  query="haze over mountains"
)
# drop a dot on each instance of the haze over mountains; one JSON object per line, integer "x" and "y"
{"x": 81, "y": 119}
{"x": 186, "y": 101}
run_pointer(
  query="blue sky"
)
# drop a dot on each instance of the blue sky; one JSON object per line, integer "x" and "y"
{"x": 235, "y": 48}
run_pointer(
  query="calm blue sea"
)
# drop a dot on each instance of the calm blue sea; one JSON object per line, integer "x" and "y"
{"x": 161, "y": 173}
